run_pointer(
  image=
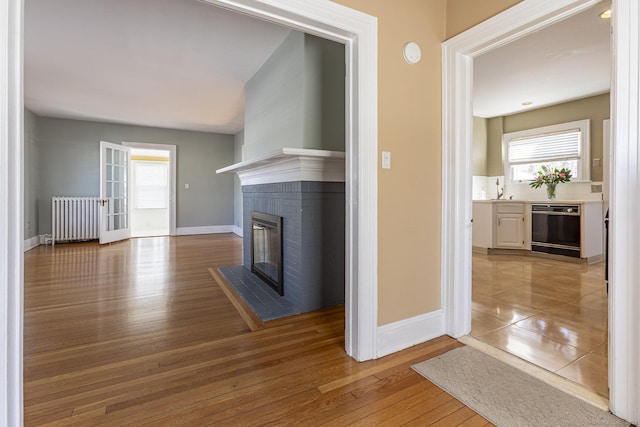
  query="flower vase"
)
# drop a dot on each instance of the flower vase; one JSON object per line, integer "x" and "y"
{"x": 551, "y": 191}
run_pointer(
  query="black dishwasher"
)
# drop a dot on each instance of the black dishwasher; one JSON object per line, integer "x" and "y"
{"x": 555, "y": 229}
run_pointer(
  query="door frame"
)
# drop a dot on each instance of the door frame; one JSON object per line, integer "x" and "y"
{"x": 359, "y": 34}
{"x": 172, "y": 175}
{"x": 356, "y": 30}
{"x": 11, "y": 211}
{"x": 457, "y": 135}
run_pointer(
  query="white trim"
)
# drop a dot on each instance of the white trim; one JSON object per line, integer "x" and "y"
{"x": 31, "y": 243}
{"x": 210, "y": 229}
{"x": 290, "y": 165}
{"x": 172, "y": 171}
{"x": 409, "y": 332}
{"x": 606, "y": 163}
{"x": 359, "y": 33}
{"x": 524, "y": 18}
{"x": 11, "y": 212}
{"x": 237, "y": 231}
{"x": 624, "y": 228}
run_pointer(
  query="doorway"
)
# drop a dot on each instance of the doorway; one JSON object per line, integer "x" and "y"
{"x": 551, "y": 312}
{"x": 150, "y": 192}
{"x": 153, "y": 189}
{"x": 354, "y": 29}
{"x": 458, "y": 54}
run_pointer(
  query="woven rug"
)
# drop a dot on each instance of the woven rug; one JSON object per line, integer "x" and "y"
{"x": 506, "y": 396}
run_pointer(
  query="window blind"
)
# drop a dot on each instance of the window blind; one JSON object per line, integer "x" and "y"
{"x": 541, "y": 148}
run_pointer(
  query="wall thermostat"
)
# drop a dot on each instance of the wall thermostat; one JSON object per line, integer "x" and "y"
{"x": 412, "y": 53}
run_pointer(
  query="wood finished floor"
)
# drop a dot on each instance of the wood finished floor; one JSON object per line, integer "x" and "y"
{"x": 139, "y": 333}
{"x": 550, "y": 313}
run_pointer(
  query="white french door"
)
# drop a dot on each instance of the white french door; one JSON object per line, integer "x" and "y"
{"x": 114, "y": 192}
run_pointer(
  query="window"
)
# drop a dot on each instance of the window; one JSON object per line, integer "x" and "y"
{"x": 566, "y": 145}
{"x": 151, "y": 185}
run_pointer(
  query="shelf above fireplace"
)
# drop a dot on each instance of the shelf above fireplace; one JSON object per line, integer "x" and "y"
{"x": 291, "y": 164}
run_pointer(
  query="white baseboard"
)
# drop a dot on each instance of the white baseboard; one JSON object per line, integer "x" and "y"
{"x": 238, "y": 231}
{"x": 409, "y": 332}
{"x": 31, "y": 243}
{"x": 212, "y": 229}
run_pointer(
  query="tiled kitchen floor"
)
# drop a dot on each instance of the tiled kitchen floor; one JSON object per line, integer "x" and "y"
{"x": 550, "y": 313}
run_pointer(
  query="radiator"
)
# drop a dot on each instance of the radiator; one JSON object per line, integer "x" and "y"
{"x": 74, "y": 219}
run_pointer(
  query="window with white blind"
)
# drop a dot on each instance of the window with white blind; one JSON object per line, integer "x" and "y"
{"x": 152, "y": 180}
{"x": 566, "y": 145}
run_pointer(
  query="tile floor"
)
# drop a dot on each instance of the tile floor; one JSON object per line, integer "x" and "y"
{"x": 550, "y": 313}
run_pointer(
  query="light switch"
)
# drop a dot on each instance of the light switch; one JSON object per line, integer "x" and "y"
{"x": 597, "y": 163}
{"x": 386, "y": 160}
{"x": 186, "y": 186}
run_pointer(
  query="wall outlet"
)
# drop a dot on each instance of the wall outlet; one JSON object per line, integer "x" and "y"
{"x": 596, "y": 188}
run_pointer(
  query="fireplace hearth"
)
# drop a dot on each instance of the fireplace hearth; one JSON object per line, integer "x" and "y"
{"x": 266, "y": 249}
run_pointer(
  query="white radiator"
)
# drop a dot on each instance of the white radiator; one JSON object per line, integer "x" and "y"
{"x": 74, "y": 218}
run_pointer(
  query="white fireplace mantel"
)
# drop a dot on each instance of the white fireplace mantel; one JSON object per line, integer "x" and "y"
{"x": 291, "y": 164}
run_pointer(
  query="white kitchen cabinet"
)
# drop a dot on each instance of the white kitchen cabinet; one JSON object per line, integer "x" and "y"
{"x": 510, "y": 225}
{"x": 510, "y": 231}
{"x": 499, "y": 225}
{"x": 592, "y": 232}
{"x": 482, "y": 237}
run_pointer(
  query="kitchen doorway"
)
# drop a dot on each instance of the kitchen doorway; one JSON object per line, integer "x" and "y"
{"x": 458, "y": 54}
{"x": 550, "y": 312}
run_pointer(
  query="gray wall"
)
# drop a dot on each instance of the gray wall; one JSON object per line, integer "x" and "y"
{"x": 238, "y": 142}
{"x": 296, "y": 99}
{"x": 273, "y": 100}
{"x": 479, "y": 164}
{"x": 31, "y": 174}
{"x": 70, "y": 154}
{"x": 596, "y": 108}
{"x": 495, "y": 129}
{"x": 324, "y": 102}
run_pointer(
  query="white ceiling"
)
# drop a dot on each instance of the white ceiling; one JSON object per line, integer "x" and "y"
{"x": 566, "y": 61}
{"x": 183, "y": 64}
{"x": 168, "y": 63}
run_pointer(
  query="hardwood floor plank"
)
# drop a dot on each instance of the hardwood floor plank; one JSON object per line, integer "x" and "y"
{"x": 139, "y": 333}
{"x": 328, "y": 405}
{"x": 456, "y": 418}
{"x": 436, "y": 414}
{"x": 378, "y": 410}
{"x": 476, "y": 421}
{"x": 381, "y": 365}
{"x": 393, "y": 418}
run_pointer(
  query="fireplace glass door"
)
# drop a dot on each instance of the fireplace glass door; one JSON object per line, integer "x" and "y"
{"x": 266, "y": 249}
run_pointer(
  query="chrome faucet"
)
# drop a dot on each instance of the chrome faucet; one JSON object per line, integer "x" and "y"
{"x": 499, "y": 191}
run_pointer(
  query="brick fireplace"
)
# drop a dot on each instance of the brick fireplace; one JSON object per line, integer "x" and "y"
{"x": 305, "y": 188}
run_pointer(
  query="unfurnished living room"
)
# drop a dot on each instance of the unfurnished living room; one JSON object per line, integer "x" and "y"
{"x": 251, "y": 212}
